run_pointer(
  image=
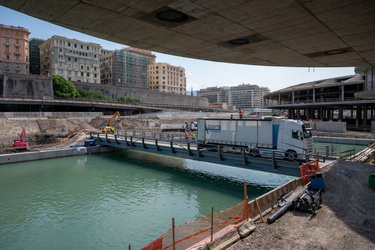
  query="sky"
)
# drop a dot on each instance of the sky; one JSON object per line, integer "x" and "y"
{"x": 199, "y": 73}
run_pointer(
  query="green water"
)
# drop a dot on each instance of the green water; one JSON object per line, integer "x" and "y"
{"x": 113, "y": 200}
{"x": 338, "y": 149}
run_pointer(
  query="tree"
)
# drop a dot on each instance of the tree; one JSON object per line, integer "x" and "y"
{"x": 127, "y": 99}
{"x": 90, "y": 95}
{"x": 63, "y": 87}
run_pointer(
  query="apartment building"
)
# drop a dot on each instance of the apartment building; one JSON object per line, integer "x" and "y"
{"x": 214, "y": 95}
{"x": 14, "y": 50}
{"x": 245, "y": 96}
{"x": 126, "y": 67}
{"x": 73, "y": 59}
{"x": 164, "y": 77}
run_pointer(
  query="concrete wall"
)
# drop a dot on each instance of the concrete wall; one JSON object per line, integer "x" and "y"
{"x": 339, "y": 127}
{"x": 25, "y": 86}
{"x": 146, "y": 96}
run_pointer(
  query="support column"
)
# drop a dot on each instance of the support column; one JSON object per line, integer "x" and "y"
{"x": 365, "y": 108}
{"x": 320, "y": 114}
{"x": 341, "y": 114}
{"x": 358, "y": 116}
{"x": 298, "y": 111}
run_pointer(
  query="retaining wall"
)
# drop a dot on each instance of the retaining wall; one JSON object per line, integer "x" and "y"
{"x": 145, "y": 95}
{"x": 339, "y": 127}
{"x": 25, "y": 86}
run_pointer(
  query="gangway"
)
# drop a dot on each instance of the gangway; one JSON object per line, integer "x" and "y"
{"x": 190, "y": 150}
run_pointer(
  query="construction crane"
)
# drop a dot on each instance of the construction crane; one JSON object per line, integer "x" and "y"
{"x": 18, "y": 143}
{"x": 109, "y": 128}
{"x": 71, "y": 132}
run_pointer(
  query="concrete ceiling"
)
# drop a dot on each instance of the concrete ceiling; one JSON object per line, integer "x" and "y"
{"x": 308, "y": 33}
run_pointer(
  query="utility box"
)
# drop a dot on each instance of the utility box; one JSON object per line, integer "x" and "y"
{"x": 317, "y": 181}
{"x": 89, "y": 143}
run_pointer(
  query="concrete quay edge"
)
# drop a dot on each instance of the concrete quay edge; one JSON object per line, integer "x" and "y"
{"x": 49, "y": 154}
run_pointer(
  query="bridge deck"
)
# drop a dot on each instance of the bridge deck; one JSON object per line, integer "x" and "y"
{"x": 195, "y": 151}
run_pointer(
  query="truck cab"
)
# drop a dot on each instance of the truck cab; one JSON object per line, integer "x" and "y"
{"x": 294, "y": 138}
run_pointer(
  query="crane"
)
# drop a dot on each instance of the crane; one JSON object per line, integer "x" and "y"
{"x": 71, "y": 132}
{"x": 109, "y": 128}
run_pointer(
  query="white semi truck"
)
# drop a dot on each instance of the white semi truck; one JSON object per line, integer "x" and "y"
{"x": 282, "y": 138}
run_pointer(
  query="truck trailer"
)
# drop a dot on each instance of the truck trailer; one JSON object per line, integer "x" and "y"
{"x": 282, "y": 138}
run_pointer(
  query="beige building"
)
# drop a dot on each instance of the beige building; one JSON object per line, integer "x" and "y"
{"x": 75, "y": 60}
{"x": 14, "y": 50}
{"x": 164, "y": 77}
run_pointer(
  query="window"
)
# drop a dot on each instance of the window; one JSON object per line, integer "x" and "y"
{"x": 68, "y": 44}
{"x": 88, "y": 67}
{"x": 295, "y": 134}
{"x": 88, "y": 74}
{"x": 6, "y": 40}
{"x": 17, "y": 58}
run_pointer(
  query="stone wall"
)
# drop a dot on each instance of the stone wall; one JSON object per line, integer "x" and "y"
{"x": 25, "y": 86}
{"x": 146, "y": 96}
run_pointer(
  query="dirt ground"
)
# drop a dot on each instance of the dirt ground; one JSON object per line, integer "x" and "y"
{"x": 345, "y": 221}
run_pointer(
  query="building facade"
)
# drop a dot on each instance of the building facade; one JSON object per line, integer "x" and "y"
{"x": 126, "y": 67}
{"x": 34, "y": 53}
{"x": 75, "y": 60}
{"x": 328, "y": 99}
{"x": 246, "y": 96}
{"x": 164, "y": 77}
{"x": 14, "y": 50}
{"x": 214, "y": 95}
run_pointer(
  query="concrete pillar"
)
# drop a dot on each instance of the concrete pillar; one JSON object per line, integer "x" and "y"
{"x": 313, "y": 95}
{"x": 298, "y": 111}
{"x": 341, "y": 114}
{"x": 342, "y": 93}
{"x": 364, "y": 116}
{"x": 307, "y": 113}
{"x": 292, "y": 97}
{"x": 358, "y": 116}
{"x": 320, "y": 114}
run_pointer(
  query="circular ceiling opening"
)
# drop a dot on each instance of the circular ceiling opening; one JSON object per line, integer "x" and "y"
{"x": 172, "y": 16}
{"x": 335, "y": 52}
{"x": 239, "y": 41}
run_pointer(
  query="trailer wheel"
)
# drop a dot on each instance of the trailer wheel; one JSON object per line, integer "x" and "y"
{"x": 254, "y": 152}
{"x": 291, "y": 155}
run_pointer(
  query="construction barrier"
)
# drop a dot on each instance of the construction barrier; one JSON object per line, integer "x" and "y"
{"x": 268, "y": 200}
{"x": 308, "y": 169}
{"x": 199, "y": 232}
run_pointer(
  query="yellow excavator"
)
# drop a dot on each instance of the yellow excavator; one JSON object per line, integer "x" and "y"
{"x": 71, "y": 132}
{"x": 109, "y": 128}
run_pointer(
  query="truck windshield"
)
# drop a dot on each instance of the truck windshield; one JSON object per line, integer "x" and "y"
{"x": 306, "y": 132}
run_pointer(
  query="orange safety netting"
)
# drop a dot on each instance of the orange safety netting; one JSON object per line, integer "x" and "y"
{"x": 308, "y": 169}
{"x": 200, "y": 231}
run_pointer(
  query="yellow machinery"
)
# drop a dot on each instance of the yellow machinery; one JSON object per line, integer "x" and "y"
{"x": 72, "y": 131}
{"x": 109, "y": 128}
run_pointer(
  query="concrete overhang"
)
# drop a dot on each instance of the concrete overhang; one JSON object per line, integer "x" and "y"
{"x": 308, "y": 33}
{"x": 365, "y": 94}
